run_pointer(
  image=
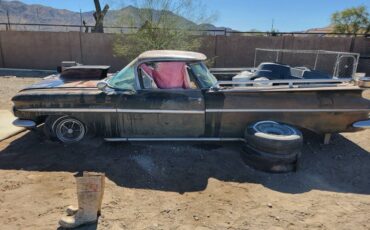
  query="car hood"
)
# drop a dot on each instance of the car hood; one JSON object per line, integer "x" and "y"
{"x": 56, "y": 82}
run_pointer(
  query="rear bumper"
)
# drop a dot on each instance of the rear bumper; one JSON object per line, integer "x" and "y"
{"x": 24, "y": 123}
{"x": 365, "y": 124}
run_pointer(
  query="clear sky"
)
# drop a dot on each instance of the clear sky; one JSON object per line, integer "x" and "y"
{"x": 288, "y": 15}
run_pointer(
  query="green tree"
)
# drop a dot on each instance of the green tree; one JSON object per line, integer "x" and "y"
{"x": 352, "y": 20}
{"x": 164, "y": 24}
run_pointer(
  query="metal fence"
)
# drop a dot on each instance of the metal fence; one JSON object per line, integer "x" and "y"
{"x": 127, "y": 30}
{"x": 337, "y": 64}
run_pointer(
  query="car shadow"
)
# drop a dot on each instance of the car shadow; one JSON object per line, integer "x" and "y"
{"x": 186, "y": 167}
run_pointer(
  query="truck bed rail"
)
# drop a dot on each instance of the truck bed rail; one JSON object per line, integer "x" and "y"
{"x": 289, "y": 83}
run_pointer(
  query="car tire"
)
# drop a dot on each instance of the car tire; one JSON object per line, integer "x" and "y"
{"x": 273, "y": 137}
{"x": 267, "y": 162}
{"x": 48, "y": 128}
{"x": 65, "y": 129}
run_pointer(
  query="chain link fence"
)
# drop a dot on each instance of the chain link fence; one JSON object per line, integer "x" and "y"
{"x": 337, "y": 64}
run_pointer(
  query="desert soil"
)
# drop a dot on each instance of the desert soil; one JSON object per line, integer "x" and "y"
{"x": 184, "y": 185}
{"x": 10, "y": 85}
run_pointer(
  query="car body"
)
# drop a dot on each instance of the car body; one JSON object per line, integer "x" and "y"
{"x": 126, "y": 105}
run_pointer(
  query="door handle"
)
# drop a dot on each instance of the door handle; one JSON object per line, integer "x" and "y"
{"x": 198, "y": 99}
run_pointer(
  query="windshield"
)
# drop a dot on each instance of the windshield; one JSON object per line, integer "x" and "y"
{"x": 124, "y": 79}
{"x": 206, "y": 79}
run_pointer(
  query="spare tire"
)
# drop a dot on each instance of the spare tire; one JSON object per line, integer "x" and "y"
{"x": 273, "y": 137}
{"x": 275, "y": 163}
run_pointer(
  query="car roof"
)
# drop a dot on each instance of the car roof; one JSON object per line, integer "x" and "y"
{"x": 172, "y": 55}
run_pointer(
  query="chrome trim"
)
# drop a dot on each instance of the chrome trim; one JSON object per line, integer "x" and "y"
{"x": 282, "y": 110}
{"x": 90, "y": 110}
{"x": 167, "y": 111}
{"x": 119, "y": 139}
{"x": 24, "y": 123}
{"x": 362, "y": 124}
{"x": 290, "y": 83}
{"x": 110, "y": 110}
{"x": 160, "y": 111}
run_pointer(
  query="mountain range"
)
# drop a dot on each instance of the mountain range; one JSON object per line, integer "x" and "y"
{"x": 20, "y": 12}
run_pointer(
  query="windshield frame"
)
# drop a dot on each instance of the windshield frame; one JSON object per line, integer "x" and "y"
{"x": 136, "y": 63}
{"x": 132, "y": 64}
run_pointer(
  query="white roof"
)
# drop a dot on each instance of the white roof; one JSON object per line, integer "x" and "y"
{"x": 173, "y": 55}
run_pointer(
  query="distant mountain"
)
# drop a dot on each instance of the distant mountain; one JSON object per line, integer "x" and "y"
{"x": 23, "y": 13}
{"x": 207, "y": 26}
{"x": 327, "y": 29}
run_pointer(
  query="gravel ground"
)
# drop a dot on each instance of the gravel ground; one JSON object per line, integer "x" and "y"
{"x": 185, "y": 185}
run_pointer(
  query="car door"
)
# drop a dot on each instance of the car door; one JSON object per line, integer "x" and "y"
{"x": 161, "y": 113}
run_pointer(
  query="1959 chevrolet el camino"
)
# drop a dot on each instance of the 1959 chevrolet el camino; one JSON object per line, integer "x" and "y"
{"x": 171, "y": 95}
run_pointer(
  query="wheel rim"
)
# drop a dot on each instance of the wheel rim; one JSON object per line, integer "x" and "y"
{"x": 274, "y": 128}
{"x": 70, "y": 130}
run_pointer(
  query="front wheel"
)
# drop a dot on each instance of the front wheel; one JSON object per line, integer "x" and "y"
{"x": 66, "y": 129}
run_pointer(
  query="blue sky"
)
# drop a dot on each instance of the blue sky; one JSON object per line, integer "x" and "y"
{"x": 288, "y": 15}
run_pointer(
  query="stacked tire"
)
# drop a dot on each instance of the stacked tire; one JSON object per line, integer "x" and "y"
{"x": 272, "y": 146}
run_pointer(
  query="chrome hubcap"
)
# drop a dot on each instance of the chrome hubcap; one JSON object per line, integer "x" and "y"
{"x": 274, "y": 128}
{"x": 70, "y": 130}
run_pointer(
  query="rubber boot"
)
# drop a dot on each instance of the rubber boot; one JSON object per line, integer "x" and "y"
{"x": 88, "y": 195}
{"x": 71, "y": 210}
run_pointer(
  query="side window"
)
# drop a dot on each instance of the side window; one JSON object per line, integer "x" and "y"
{"x": 193, "y": 84}
{"x": 148, "y": 81}
{"x": 204, "y": 76}
{"x": 166, "y": 75}
{"x": 124, "y": 79}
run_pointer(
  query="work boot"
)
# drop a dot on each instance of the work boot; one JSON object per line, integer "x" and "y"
{"x": 88, "y": 195}
{"x": 71, "y": 210}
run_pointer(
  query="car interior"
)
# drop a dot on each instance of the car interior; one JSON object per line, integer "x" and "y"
{"x": 166, "y": 75}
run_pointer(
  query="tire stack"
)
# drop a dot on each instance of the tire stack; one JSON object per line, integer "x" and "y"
{"x": 272, "y": 146}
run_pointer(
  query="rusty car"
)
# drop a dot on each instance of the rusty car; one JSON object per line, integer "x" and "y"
{"x": 172, "y": 96}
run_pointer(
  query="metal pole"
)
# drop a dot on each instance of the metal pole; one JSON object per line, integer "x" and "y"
{"x": 336, "y": 67}
{"x": 7, "y": 15}
{"x": 37, "y": 15}
{"x": 216, "y": 48}
{"x": 81, "y": 50}
{"x": 81, "y": 21}
{"x": 317, "y": 57}
{"x": 255, "y": 57}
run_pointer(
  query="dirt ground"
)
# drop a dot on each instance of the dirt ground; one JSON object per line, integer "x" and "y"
{"x": 185, "y": 185}
{"x": 9, "y": 86}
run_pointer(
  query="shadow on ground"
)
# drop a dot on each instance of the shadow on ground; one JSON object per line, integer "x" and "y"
{"x": 185, "y": 167}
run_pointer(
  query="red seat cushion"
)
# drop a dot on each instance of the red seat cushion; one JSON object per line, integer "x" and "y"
{"x": 169, "y": 75}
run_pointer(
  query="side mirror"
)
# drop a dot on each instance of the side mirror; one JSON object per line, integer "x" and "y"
{"x": 102, "y": 85}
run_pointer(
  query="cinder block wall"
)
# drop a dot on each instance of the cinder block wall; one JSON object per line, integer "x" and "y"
{"x": 45, "y": 50}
